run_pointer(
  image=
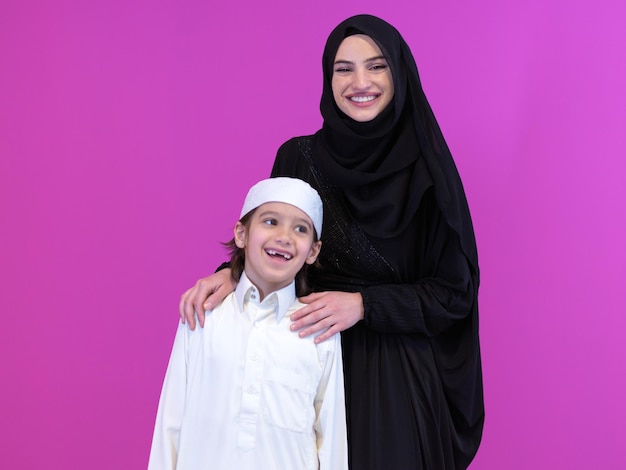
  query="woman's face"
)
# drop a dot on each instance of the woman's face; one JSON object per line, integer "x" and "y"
{"x": 362, "y": 83}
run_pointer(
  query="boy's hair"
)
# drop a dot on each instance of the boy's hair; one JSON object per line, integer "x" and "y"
{"x": 238, "y": 259}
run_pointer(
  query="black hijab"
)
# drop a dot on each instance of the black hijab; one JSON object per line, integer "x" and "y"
{"x": 384, "y": 166}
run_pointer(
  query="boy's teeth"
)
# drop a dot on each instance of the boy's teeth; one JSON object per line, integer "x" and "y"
{"x": 275, "y": 253}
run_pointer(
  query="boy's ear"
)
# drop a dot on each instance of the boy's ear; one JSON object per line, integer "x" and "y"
{"x": 314, "y": 252}
{"x": 240, "y": 235}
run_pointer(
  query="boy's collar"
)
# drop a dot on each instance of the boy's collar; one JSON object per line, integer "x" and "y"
{"x": 285, "y": 297}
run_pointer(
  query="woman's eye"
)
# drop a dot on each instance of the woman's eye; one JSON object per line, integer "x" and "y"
{"x": 378, "y": 67}
{"x": 342, "y": 70}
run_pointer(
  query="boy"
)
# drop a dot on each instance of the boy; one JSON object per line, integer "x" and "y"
{"x": 245, "y": 392}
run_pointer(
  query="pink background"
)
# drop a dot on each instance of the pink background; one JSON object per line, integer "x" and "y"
{"x": 129, "y": 132}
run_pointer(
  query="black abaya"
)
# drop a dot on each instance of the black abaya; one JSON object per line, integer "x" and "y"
{"x": 419, "y": 293}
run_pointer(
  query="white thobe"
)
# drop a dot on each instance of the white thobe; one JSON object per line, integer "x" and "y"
{"x": 245, "y": 392}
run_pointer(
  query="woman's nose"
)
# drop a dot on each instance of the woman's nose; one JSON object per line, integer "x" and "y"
{"x": 361, "y": 79}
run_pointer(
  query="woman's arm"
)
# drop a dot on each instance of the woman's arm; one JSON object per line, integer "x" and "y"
{"x": 443, "y": 294}
{"x": 428, "y": 306}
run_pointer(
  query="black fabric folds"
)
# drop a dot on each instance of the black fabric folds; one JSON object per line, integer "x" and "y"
{"x": 397, "y": 229}
{"x": 375, "y": 163}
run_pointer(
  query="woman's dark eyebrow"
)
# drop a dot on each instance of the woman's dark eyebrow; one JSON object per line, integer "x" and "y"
{"x": 378, "y": 57}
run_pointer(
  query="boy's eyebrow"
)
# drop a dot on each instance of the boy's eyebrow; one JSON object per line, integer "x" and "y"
{"x": 268, "y": 212}
{"x": 307, "y": 222}
{"x": 277, "y": 213}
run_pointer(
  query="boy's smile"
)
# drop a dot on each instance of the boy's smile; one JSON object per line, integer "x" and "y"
{"x": 284, "y": 255}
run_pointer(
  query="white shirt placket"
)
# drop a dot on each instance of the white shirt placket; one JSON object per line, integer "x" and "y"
{"x": 253, "y": 374}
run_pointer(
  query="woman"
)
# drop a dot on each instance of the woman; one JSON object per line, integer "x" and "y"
{"x": 399, "y": 273}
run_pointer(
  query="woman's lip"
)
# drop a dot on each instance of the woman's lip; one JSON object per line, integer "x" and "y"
{"x": 362, "y": 100}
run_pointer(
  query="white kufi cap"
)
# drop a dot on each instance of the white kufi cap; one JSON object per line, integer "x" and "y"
{"x": 290, "y": 191}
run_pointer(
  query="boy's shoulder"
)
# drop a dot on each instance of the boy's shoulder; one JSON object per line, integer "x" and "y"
{"x": 225, "y": 307}
{"x": 296, "y": 305}
{"x": 332, "y": 343}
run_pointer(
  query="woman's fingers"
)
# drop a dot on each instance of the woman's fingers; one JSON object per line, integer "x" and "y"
{"x": 329, "y": 333}
{"x": 186, "y": 309}
{"x": 307, "y": 316}
{"x": 204, "y": 295}
{"x": 327, "y": 313}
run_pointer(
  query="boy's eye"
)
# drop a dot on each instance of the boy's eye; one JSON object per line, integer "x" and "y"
{"x": 301, "y": 229}
{"x": 269, "y": 221}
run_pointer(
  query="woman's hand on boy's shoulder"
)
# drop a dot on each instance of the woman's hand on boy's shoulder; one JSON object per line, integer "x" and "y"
{"x": 327, "y": 312}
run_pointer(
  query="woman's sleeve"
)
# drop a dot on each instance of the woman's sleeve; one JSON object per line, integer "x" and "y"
{"x": 287, "y": 161}
{"x": 432, "y": 304}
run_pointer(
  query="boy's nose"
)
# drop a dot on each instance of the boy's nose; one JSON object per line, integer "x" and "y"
{"x": 283, "y": 236}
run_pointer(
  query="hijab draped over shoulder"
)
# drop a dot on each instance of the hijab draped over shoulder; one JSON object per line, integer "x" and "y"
{"x": 384, "y": 166}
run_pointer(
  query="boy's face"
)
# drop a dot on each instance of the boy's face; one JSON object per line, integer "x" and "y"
{"x": 277, "y": 243}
